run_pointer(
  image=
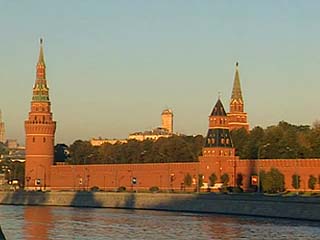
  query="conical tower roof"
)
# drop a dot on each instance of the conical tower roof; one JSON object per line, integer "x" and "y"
{"x": 41, "y": 55}
{"x": 236, "y": 91}
{"x": 218, "y": 109}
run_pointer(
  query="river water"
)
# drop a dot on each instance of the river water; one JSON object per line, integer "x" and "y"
{"x": 33, "y": 222}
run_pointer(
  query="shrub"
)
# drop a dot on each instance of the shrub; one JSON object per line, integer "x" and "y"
{"x": 225, "y": 178}
{"x": 239, "y": 179}
{"x": 312, "y": 182}
{"x": 272, "y": 181}
{"x": 154, "y": 189}
{"x": 121, "y": 189}
{"x": 296, "y": 181}
{"x": 187, "y": 180}
{"x": 95, "y": 189}
{"x": 212, "y": 179}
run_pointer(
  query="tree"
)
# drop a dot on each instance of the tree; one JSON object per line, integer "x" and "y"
{"x": 296, "y": 181}
{"x": 3, "y": 149}
{"x": 312, "y": 182}
{"x": 82, "y": 152}
{"x": 61, "y": 152}
{"x": 225, "y": 179}
{"x": 187, "y": 180}
{"x": 272, "y": 181}
{"x": 212, "y": 179}
{"x": 240, "y": 140}
{"x": 200, "y": 180}
{"x": 239, "y": 179}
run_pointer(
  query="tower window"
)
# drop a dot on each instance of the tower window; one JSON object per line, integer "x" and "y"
{"x": 44, "y": 139}
{"x": 33, "y": 139}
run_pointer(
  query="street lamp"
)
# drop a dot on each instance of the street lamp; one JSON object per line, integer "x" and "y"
{"x": 259, "y": 152}
{"x": 44, "y": 177}
{"x": 295, "y": 169}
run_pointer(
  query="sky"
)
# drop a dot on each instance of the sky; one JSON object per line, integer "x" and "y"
{"x": 113, "y": 66}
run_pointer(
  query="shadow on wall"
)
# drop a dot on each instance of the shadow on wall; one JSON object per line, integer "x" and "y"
{"x": 128, "y": 201}
{"x": 24, "y": 198}
{"x": 85, "y": 199}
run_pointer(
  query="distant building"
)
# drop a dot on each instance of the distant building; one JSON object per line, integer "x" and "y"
{"x": 12, "y": 143}
{"x": 237, "y": 116}
{"x": 167, "y": 120}
{"x": 2, "y": 130}
{"x": 154, "y": 135}
{"x": 165, "y": 131}
{"x": 100, "y": 141}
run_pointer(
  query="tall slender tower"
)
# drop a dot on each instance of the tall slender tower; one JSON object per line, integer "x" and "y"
{"x": 2, "y": 130}
{"x": 167, "y": 120}
{"x": 237, "y": 116}
{"x": 40, "y": 130}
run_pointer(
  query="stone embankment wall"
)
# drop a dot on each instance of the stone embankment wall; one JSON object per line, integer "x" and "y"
{"x": 304, "y": 208}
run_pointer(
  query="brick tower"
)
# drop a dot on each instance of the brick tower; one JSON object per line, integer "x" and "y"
{"x": 237, "y": 116}
{"x": 218, "y": 140}
{"x": 40, "y": 130}
{"x": 218, "y": 151}
{"x": 167, "y": 120}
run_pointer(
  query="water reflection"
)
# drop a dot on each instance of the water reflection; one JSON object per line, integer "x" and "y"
{"x": 38, "y": 222}
{"x": 29, "y": 222}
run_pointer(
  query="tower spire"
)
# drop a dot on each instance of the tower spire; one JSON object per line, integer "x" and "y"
{"x": 40, "y": 89}
{"x": 41, "y": 55}
{"x": 237, "y": 116}
{"x": 236, "y": 91}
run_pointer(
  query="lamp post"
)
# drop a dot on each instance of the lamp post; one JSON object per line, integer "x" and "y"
{"x": 296, "y": 179}
{"x": 44, "y": 177}
{"x": 259, "y": 152}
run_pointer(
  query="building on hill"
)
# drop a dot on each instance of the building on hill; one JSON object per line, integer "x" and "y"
{"x": 153, "y": 135}
{"x": 237, "y": 116}
{"x": 100, "y": 141}
{"x": 165, "y": 131}
{"x": 2, "y": 130}
{"x": 167, "y": 120}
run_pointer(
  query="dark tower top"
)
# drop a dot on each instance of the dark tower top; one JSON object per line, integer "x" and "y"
{"x": 40, "y": 89}
{"x": 236, "y": 91}
{"x": 218, "y": 135}
{"x": 218, "y": 109}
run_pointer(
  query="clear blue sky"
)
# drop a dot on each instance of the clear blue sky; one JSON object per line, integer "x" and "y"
{"x": 113, "y": 66}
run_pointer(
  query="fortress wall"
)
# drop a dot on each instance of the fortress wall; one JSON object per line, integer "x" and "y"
{"x": 171, "y": 175}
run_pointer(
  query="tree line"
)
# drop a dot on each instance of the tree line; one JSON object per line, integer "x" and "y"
{"x": 281, "y": 141}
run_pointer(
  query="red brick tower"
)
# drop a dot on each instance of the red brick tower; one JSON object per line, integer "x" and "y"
{"x": 218, "y": 153}
{"x": 40, "y": 130}
{"x": 218, "y": 140}
{"x": 237, "y": 116}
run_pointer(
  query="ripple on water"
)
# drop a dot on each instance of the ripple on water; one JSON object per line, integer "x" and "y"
{"x": 19, "y": 222}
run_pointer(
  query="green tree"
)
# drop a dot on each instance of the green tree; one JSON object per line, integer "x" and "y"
{"x": 240, "y": 139}
{"x": 225, "y": 179}
{"x": 200, "y": 180}
{"x": 187, "y": 180}
{"x": 82, "y": 152}
{"x": 272, "y": 181}
{"x": 296, "y": 181}
{"x": 312, "y": 182}
{"x": 239, "y": 179}
{"x": 213, "y": 179}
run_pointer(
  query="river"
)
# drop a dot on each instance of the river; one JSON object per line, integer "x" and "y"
{"x": 33, "y": 222}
